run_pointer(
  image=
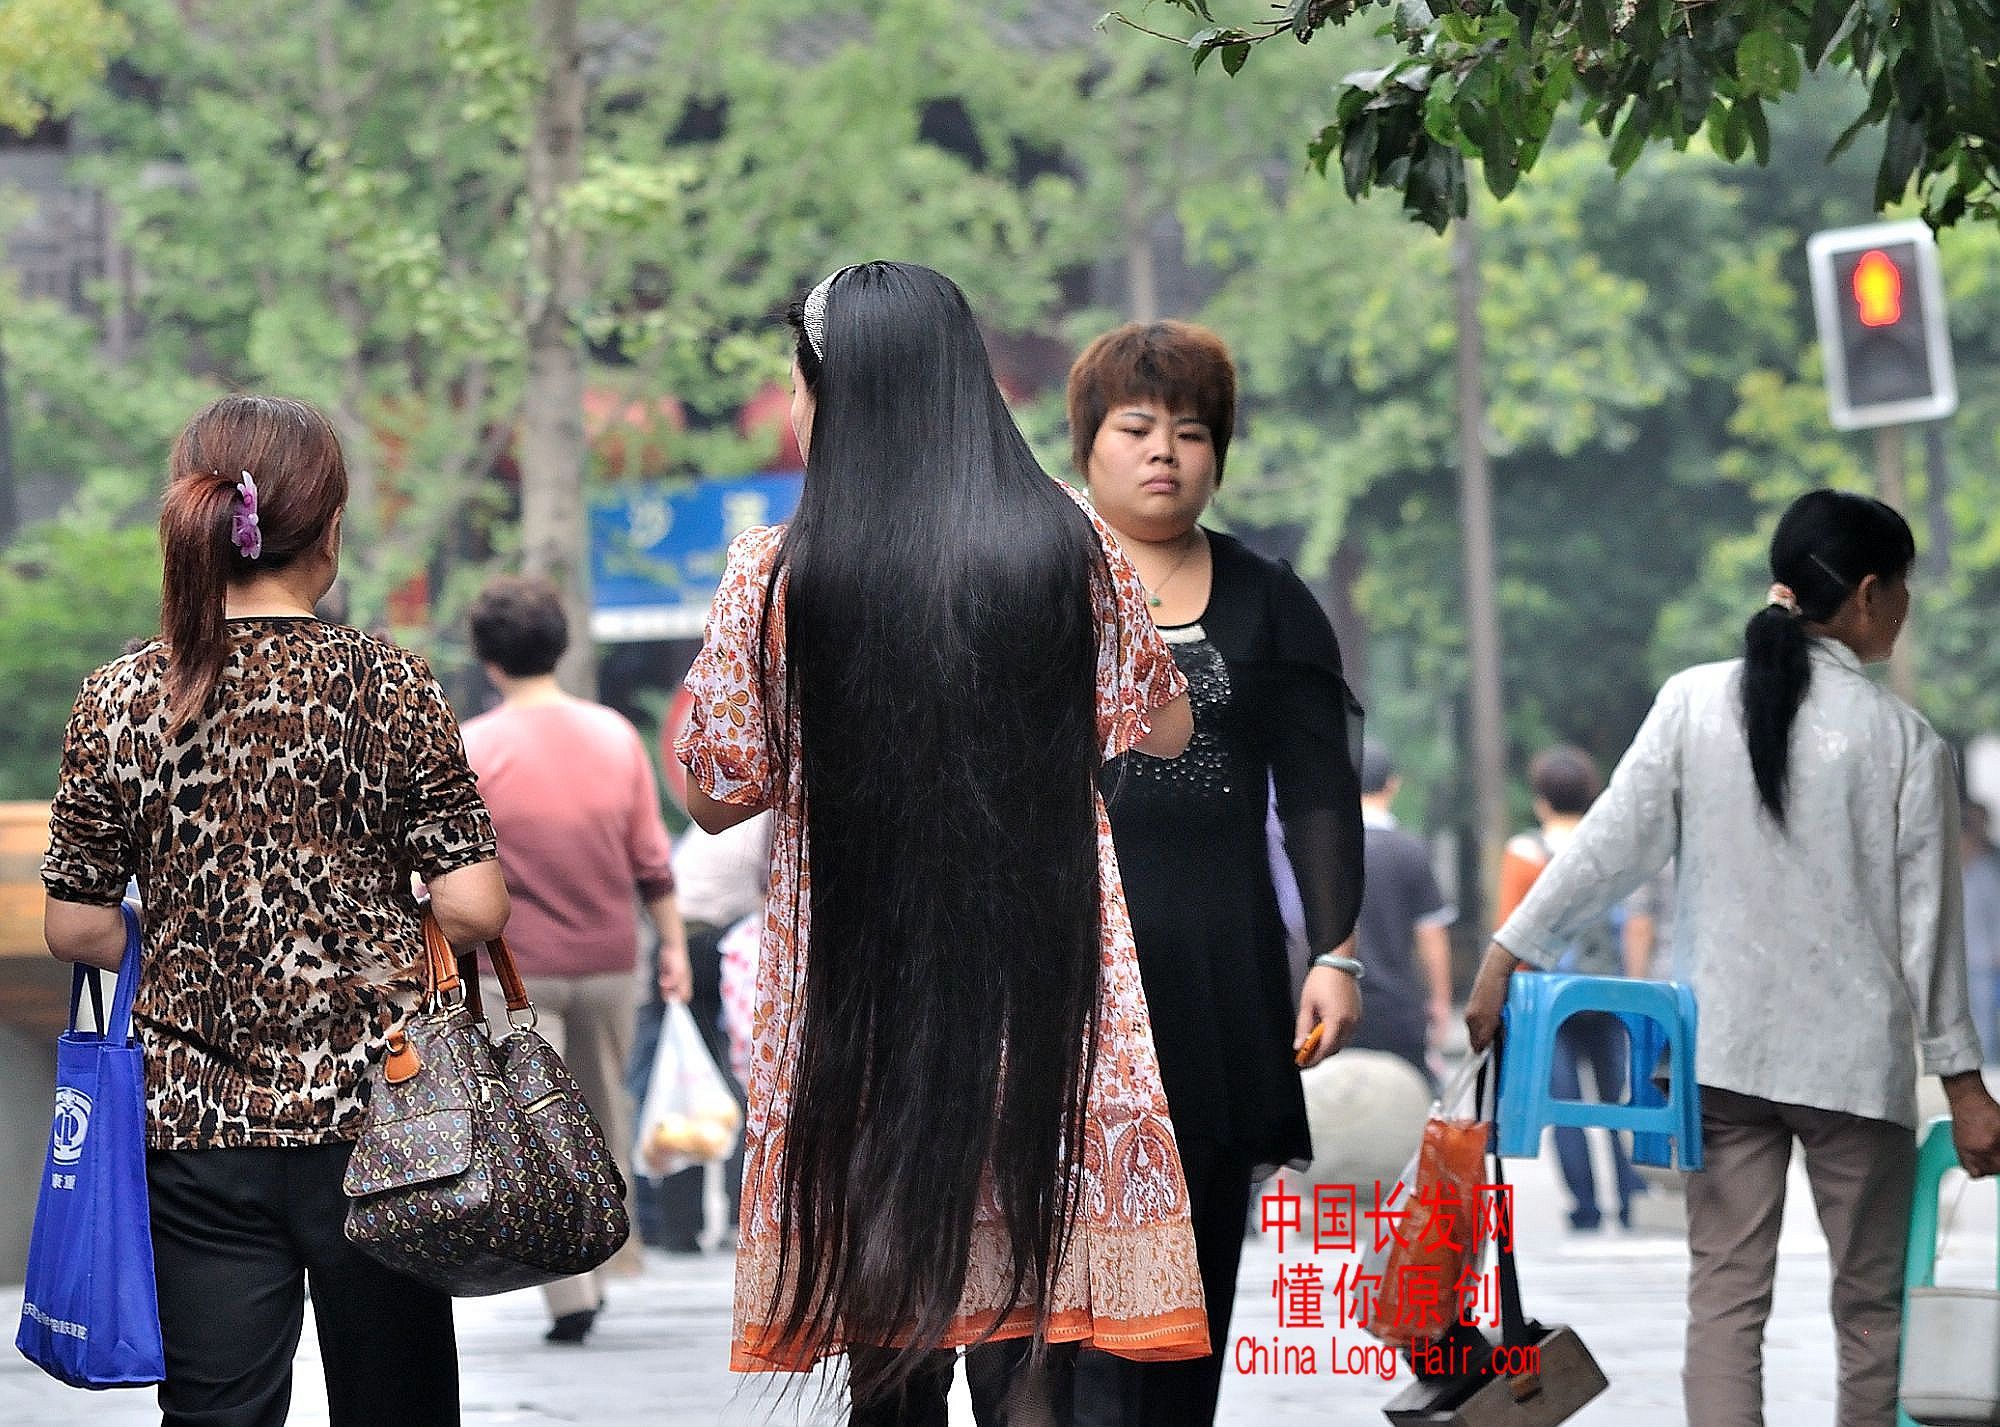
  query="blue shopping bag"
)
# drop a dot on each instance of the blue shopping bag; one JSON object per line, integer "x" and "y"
{"x": 91, "y": 1315}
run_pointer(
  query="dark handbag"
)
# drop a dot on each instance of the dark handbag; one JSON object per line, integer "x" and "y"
{"x": 1532, "y": 1375}
{"x": 480, "y": 1168}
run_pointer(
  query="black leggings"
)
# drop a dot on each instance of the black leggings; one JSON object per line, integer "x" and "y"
{"x": 1006, "y": 1390}
{"x": 237, "y": 1235}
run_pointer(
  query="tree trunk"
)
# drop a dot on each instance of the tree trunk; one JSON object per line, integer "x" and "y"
{"x": 1482, "y": 615}
{"x": 554, "y": 533}
{"x": 1142, "y": 294}
{"x": 10, "y": 501}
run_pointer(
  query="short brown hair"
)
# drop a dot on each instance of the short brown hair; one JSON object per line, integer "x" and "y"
{"x": 1566, "y": 778}
{"x": 1183, "y": 367}
{"x": 518, "y": 624}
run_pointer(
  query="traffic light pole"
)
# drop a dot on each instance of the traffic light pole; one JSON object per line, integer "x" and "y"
{"x": 1892, "y": 488}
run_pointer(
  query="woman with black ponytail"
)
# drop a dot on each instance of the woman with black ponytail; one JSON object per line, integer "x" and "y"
{"x": 1815, "y": 821}
{"x": 271, "y": 781}
{"x": 957, "y": 1131}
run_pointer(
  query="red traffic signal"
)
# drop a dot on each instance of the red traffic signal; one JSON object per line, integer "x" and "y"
{"x": 1878, "y": 290}
{"x": 1880, "y": 305}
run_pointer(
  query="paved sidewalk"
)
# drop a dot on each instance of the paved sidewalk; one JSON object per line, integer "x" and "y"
{"x": 659, "y": 1351}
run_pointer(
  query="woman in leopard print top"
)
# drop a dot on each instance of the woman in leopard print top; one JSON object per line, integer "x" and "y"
{"x": 273, "y": 782}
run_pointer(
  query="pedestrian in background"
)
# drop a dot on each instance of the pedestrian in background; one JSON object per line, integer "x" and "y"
{"x": 1403, "y": 936}
{"x": 273, "y": 782}
{"x": 723, "y": 878}
{"x": 921, "y": 674}
{"x": 1152, "y": 407}
{"x": 1565, "y": 782}
{"x": 1814, "y": 818}
{"x": 583, "y": 847}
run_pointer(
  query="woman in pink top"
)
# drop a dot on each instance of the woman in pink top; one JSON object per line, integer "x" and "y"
{"x": 582, "y": 845}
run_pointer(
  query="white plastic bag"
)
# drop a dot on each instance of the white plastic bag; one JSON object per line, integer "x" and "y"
{"x": 690, "y": 1117}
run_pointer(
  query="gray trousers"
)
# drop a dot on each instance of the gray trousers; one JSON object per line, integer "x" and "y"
{"x": 588, "y": 1019}
{"x": 1863, "y": 1173}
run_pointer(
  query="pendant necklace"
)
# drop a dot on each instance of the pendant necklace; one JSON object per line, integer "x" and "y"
{"x": 1153, "y": 593}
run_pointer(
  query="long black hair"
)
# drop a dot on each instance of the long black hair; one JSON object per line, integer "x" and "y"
{"x": 940, "y": 654}
{"x": 1826, "y": 543}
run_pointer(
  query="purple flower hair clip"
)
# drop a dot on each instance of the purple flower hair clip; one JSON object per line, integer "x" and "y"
{"x": 249, "y": 537}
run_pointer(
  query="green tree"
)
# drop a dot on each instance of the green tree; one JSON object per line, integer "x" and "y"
{"x": 1488, "y": 80}
{"x": 52, "y": 54}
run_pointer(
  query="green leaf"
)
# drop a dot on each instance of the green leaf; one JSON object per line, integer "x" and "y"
{"x": 1233, "y": 56}
{"x": 1692, "y": 82}
{"x": 1767, "y": 63}
{"x": 1593, "y": 23}
{"x": 1475, "y": 123}
{"x": 1902, "y": 150}
{"x": 1435, "y": 190}
{"x": 1728, "y": 133}
{"x": 1950, "y": 54}
{"x": 1322, "y": 147}
{"x": 1439, "y": 121}
{"x": 1357, "y": 154}
{"x": 1760, "y": 130}
{"x": 1502, "y": 170}
{"x": 1878, "y": 108}
{"x": 1632, "y": 136}
{"x": 1827, "y": 18}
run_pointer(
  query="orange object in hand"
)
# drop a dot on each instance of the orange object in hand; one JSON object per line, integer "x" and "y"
{"x": 1311, "y": 1044}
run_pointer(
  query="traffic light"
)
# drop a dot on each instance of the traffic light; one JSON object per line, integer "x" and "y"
{"x": 1880, "y": 306}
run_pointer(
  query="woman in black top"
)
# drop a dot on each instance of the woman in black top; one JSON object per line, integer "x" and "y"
{"x": 1152, "y": 408}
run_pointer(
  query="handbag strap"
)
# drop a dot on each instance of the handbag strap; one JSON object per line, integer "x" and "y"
{"x": 444, "y": 976}
{"x": 511, "y": 984}
{"x": 1515, "y": 1329}
{"x": 118, "y": 1026}
{"x": 441, "y": 980}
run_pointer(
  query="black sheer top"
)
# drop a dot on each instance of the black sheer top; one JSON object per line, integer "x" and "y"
{"x": 1273, "y": 717}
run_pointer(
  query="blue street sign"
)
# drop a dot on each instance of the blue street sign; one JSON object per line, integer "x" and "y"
{"x": 657, "y": 551}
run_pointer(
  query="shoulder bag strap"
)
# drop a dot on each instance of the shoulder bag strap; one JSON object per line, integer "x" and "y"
{"x": 445, "y": 975}
{"x": 511, "y": 984}
{"x": 119, "y": 1028}
{"x": 1515, "y": 1329}
{"x": 441, "y": 981}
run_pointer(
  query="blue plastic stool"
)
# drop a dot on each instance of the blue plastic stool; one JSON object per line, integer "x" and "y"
{"x": 1659, "y": 1014}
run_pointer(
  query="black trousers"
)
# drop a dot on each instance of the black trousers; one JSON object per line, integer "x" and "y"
{"x": 1115, "y": 1392}
{"x": 238, "y": 1234}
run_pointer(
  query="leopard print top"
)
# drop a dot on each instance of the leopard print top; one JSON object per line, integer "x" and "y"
{"x": 273, "y": 839}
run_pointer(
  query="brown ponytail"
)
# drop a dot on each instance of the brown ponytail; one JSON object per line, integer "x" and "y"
{"x": 292, "y": 453}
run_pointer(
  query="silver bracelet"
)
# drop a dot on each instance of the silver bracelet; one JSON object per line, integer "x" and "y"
{"x": 1341, "y": 963}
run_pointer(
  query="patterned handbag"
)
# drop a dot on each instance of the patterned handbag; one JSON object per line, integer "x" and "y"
{"x": 480, "y": 1169}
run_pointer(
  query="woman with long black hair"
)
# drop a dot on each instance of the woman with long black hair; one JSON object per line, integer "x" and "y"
{"x": 1814, "y": 819}
{"x": 956, "y": 1132}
